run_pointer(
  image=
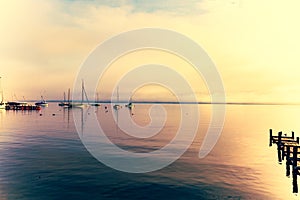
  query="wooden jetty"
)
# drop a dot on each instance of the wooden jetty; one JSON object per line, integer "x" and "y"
{"x": 288, "y": 147}
{"x": 284, "y": 143}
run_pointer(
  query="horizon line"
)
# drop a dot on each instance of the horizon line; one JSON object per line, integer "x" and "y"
{"x": 175, "y": 102}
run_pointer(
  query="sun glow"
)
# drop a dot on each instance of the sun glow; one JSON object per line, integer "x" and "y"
{"x": 254, "y": 44}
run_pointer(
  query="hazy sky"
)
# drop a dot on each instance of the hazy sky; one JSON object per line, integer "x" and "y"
{"x": 254, "y": 44}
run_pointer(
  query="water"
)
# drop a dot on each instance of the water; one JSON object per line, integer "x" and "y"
{"x": 42, "y": 156}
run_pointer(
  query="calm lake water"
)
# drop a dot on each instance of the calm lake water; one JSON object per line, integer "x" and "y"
{"x": 42, "y": 156}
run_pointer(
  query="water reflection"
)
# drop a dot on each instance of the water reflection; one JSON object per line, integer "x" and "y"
{"x": 42, "y": 156}
{"x": 1, "y": 116}
{"x": 238, "y": 146}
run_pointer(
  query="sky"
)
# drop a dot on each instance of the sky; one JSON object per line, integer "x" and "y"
{"x": 254, "y": 44}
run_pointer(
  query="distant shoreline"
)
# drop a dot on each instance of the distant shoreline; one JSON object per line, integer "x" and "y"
{"x": 174, "y": 102}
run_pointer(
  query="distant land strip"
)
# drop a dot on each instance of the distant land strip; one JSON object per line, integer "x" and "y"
{"x": 176, "y": 102}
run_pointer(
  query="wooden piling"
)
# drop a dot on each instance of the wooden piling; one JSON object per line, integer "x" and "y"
{"x": 279, "y": 148}
{"x": 271, "y": 138}
{"x": 295, "y": 155}
{"x": 279, "y": 136}
{"x": 288, "y": 162}
{"x": 295, "y": 158}
{"x": 293, "y": 134}
{"x": 295, "y": 185}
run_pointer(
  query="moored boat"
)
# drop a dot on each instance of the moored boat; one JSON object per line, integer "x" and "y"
{"x": 42, "y": 102}
{"x": 96, "y": 103}
{"x": 64, "y": 103}
{"x": 117, "y": 106}
{"x": 13, "y": 105}
{"x": 81, "y": 104}
{"x": 129, "y": 105}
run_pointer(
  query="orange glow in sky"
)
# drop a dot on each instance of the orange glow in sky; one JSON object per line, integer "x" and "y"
{"x": 254, "y": 44}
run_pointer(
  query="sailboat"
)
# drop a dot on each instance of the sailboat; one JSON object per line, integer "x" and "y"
{"x": 42, "y": 102}
{"x": 83, "y": 93}
{"x": 96, "y": 101}
{"x": 130, "y": 104}
{"x": 65, "y": 103}
{"x": 117, "y": 106}
{"x": 2, "y": 104}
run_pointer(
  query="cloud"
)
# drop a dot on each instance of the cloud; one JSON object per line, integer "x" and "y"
{"x": 155, "y": 6}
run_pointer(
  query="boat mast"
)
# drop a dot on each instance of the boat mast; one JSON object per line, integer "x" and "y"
{"x": 64, "y": 96}
{"x": 82, "y": 91}
{"x": 118, "y": 97}
{"x": 69, "y": 95}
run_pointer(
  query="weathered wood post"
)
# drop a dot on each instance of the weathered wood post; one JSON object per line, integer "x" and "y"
{"x": 270, "y": 144}
{"x": 293, "y": 134}
{"x": 279, "y": 136}
{"x": 297, "y": 139}
{"x": 295, "y": 158}
{"x": 295, "y": 186}
{"x": 279, "y": 148}
{"x": 288, "y": 172}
